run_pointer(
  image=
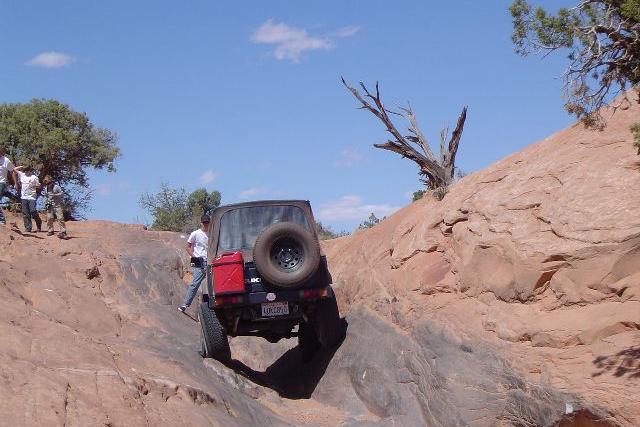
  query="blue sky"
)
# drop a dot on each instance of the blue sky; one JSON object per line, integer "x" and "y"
{"x": 245, "y": 96}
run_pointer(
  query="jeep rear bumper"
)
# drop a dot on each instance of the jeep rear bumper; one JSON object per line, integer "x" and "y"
{"x": 253, "y": 298}
{"x": 245, "y": 317}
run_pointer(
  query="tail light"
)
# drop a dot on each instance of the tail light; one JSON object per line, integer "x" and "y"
{"x": 227, "y": 300}
{"x": 228, "y": 273}
{"x": 313, "y": 293}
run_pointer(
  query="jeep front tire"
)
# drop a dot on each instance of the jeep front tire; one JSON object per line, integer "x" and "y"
{"x": 213, "y": 337}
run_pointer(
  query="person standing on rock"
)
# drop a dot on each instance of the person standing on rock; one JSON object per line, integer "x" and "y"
{"x": 197, "y": 244}
{"x": 53, "y": 204}
{"x": 29, "y": 185}
{"x": 6, "y": 166}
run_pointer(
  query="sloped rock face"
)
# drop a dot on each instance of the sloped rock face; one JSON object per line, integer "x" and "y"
{"x": 539, "y": 254}
{"x": 514, "y": 301}
{"x": 109, "y": 348}
{"x": 383, "y": 376}
{"x": 91, "y": 336}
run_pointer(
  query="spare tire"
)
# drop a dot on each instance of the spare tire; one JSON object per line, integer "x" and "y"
{"x": 286, "y": 254}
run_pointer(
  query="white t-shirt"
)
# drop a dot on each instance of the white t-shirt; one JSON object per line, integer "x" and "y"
{"x": 29, "y": 185}
{"x": 200, "y": 241}
{"x": 5, "y": 166}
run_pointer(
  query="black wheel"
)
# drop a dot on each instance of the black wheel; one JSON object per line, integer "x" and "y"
{"x": 307, "y": 341}
{"x": 213, "y": 337}
{"x": 286, "y": 254}
{"x": 328, "y": 323}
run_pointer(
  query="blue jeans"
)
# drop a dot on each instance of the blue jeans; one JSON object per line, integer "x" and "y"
{"x": 29, "y": 211}
{"x": 2, "y": 186}
{"x": 198, "y": 276}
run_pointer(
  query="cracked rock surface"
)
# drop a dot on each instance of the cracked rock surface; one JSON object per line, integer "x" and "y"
{"x": 539, "y": 254}
{"x": 514, "y": 301}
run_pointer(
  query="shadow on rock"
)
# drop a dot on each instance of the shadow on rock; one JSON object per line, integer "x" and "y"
{"x": 26, "y": 234}
{"x": 625, "y": 362}
{"x": 291, "y": 376}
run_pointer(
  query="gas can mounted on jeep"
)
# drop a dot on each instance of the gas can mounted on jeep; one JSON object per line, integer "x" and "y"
{"x": 267, "y": 277}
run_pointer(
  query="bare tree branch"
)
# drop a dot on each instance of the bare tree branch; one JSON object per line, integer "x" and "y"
{"x": 454, "y": 142}
{"x": 433, "y": 173}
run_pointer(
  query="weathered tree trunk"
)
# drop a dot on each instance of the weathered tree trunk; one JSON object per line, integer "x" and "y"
{"x": 436, "y": 174}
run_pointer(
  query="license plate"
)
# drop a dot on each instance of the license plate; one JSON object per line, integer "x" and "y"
{"x": 270, "y": 309}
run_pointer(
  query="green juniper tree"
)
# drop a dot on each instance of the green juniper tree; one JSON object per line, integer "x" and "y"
{"x": 372, "y": 221}
{"x": 326, "y": 233}
{"x": 199, "y": 202}
{"x": 173, "y": 210}
{"x": 60, "y": 142}
{"x": 603, "y": 40}
{"x": 417, "y": 195}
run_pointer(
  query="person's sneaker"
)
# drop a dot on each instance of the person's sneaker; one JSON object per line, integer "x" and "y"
{"x": 49, "y": 233}
{"x": 182, "y": 308}
{"x": 63, "y": 235}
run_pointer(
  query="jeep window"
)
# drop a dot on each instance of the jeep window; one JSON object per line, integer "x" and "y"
{"x": 239, "y": 228}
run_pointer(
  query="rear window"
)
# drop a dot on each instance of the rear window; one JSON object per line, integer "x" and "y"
{"x": 239, "y": 228}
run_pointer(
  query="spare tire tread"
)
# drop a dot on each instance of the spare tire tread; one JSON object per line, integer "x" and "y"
{"x": 266, "y": 267}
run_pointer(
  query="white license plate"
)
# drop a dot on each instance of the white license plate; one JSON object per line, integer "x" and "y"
{"x": 270, "y": 309}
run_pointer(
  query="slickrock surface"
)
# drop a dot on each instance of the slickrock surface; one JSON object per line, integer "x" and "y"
{"x": 539, "y": 254}
{"x": 110, "y": 350}
{"x": 91, "y": 336}
{"x": 514, "y": 301}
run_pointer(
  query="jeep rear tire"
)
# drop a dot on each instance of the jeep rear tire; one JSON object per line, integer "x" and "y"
{"x": 307, "y": 341}
{"x": 328, "y": 323}
{"x": 286, "y": 254}
{"x": 213, "y": 337}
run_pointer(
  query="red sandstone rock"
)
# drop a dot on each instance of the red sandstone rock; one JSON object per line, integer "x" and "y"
{"x": 540, "y": 253}
{"x": 514, "y": 300}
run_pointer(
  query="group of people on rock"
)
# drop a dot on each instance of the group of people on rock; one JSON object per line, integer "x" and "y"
{"x": 29, "y": 187}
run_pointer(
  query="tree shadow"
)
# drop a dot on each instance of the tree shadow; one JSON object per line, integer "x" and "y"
{"x": 291, "y": 376}
{"x": 623, "y": 363}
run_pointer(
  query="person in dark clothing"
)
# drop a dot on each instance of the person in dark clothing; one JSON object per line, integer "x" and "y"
{"x": 53, "y": 203}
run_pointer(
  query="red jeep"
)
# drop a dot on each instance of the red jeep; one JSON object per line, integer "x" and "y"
{"x": 266, "y": 275}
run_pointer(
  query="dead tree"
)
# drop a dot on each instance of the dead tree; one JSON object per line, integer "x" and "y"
{"x": 435, "y": 173}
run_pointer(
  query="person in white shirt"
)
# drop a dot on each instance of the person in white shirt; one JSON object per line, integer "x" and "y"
{"x": 197, "y": 244}
{"x": 6, "y": 166}
{"x": 29, "y": 186}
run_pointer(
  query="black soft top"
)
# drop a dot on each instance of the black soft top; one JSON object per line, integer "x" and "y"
{"x": 217, "y": 213}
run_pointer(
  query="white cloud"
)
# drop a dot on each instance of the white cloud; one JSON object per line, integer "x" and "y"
{"x": 207, "y": 176}
{"x": 349, "y": 31}
{"x": 349, "y": 157}
{"x": 252, "y": 192}
{"x": 291, "y": 42}
{"x": 352, "y": 207}
{"x": 51, "y": 60}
